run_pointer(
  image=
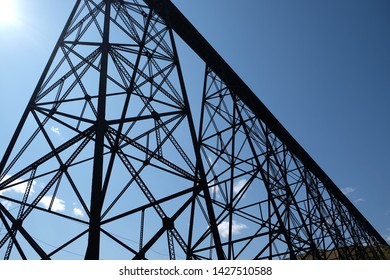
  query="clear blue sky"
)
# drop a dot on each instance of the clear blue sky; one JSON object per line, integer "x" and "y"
{"x": 321, "y": 67}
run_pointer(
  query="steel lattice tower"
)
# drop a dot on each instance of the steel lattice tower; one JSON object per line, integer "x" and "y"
{"x": 151, "y": 177}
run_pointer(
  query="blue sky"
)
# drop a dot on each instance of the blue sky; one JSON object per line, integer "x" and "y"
{"x": 321, "y": 67}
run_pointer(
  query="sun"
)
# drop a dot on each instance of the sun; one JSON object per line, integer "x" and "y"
{"x": 7, "y": 11}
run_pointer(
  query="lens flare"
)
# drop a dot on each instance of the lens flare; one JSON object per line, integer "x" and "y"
{"x": 7, "y": 11}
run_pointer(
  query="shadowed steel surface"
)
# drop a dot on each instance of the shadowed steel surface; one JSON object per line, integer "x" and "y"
{"x": 112, "y": 129}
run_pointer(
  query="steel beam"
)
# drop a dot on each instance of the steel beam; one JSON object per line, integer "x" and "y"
{"x": 180, "y": 24}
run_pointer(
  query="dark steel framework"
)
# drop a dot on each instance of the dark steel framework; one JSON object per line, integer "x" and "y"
{"x": 109, "y": 127}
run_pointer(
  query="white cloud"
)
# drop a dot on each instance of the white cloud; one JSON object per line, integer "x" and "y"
{"x": 78, "y": 212}
{"x": 348, "y": 190}
{"x": 223, "y": 228}
{"x": 55, "y": 130}
{"x": 360, "y": 199}
{"x": 214, "y": 188}
{"x": 238, "y": 186}
{"x": 58, "y": 204}
{"x": 7, "y": 204}
{"x": 20, "y": 186}
{"x": 387, "y": 237}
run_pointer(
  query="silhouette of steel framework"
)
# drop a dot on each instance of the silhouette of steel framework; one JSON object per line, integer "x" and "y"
{"x": 109, "y": 127}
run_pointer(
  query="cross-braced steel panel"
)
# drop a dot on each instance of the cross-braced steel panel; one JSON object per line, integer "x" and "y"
{"x": 110, "y": 131}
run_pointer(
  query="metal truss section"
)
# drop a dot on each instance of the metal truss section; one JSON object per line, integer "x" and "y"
{"x": 265, "y": 191}
{"x": 109, "y": 160}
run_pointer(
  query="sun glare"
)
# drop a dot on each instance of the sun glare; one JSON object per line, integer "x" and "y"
{"x": 7, "y": 11}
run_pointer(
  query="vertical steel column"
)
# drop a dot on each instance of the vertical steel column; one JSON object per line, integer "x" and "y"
{"x": 93, "y": 248}
{"x": 199, "y": 163}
